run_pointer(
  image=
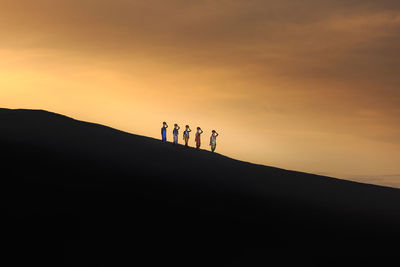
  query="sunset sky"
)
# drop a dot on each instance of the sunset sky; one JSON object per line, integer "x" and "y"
{"x": 307, "y": 85}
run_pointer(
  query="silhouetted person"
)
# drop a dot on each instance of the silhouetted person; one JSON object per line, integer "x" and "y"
{"x": 198, "y": 133}
{"x": 186, "y": 135}
{"x": 213, "y": 140}
{"x": 164, "y": 132}
{"x": 176, "y": 133}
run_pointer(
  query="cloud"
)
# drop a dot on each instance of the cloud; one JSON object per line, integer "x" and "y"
{"x": 343, "y": 48}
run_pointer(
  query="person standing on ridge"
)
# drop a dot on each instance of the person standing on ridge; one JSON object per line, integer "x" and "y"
{"x": 164, "y": 132}
{"x": 213, "y": 140}
{"x": 176, "y": 133}
{"x": 198, "y": 133}
{"x": 186, "y": 135}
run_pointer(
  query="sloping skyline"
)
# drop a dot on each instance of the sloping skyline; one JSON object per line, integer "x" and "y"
{"x": 305, "y": 85}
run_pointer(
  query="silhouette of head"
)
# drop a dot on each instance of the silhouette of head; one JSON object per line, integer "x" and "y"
{"x": 187, "y": 126}
{"x": 175, "y": 125}
{"x": 164, "y": 123}
{"x": 213, "y": 131}
{"x": 198, "y": 128}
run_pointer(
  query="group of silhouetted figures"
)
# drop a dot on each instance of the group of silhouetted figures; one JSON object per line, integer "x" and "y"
{"x": 175, "y": 133}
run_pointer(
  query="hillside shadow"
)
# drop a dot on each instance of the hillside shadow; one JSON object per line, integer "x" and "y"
{"x": 82, "y": 194}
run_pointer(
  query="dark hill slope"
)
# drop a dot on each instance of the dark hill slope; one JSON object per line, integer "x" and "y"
{"x": 82, "y": 194}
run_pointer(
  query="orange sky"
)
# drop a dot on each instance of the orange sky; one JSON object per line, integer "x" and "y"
{"x": 306, "y": 85}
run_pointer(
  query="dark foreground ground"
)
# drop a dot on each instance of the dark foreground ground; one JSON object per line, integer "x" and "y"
{"x": 80, "y": 194}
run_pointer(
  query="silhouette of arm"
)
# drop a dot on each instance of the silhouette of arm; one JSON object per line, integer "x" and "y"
{"x": 216, "y": 134}
{"x": 166, "y": 125}
{"x": 189, "y": 130}
{"x": 179, "y": 128}
{"x": 201, "y": 131}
